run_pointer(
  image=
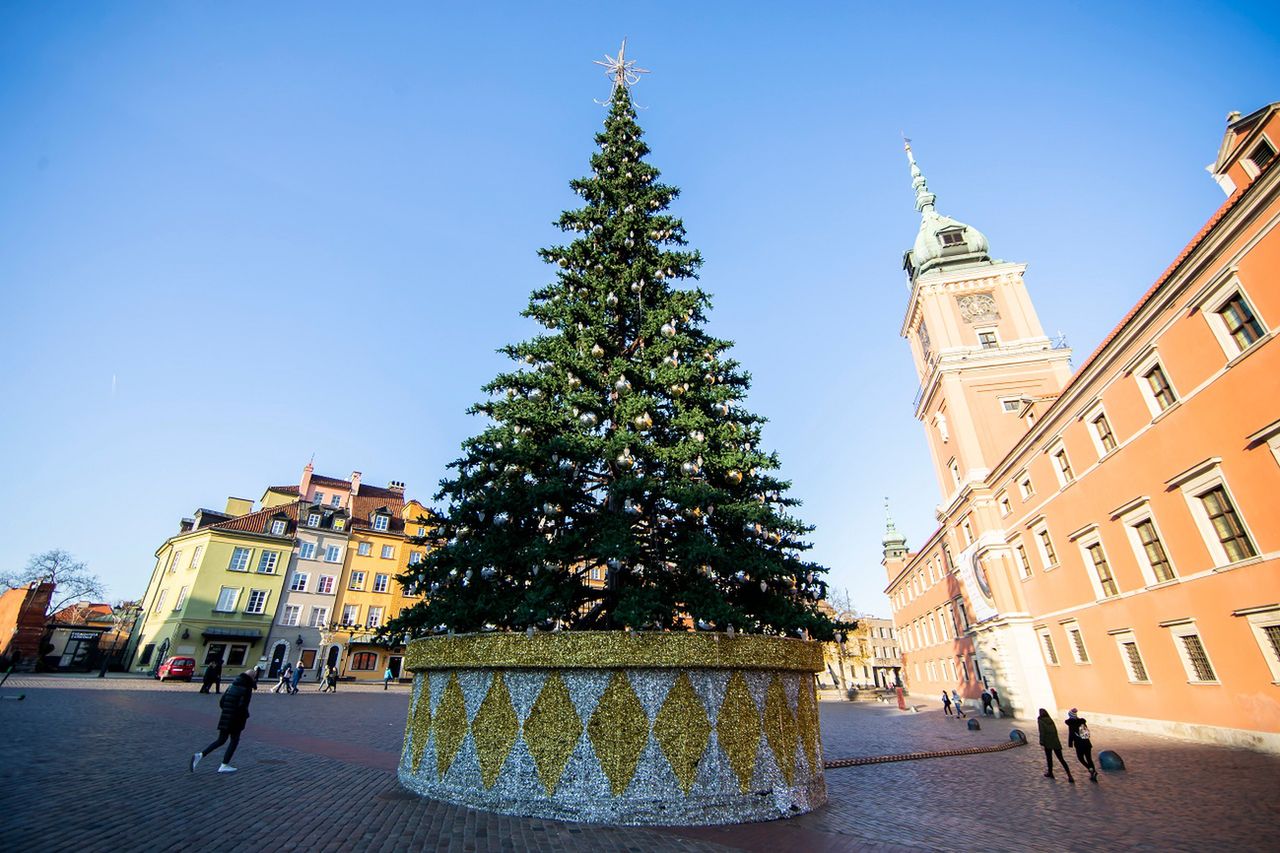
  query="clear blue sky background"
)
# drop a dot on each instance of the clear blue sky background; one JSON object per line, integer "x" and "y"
{"x": 298, "y": 228}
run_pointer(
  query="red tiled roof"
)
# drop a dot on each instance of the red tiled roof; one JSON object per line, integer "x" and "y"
{"x": 284, "y": 490}
{"x": 260, "y": 521}
{"x": 362, "y": 505}
{"x": 337, "y": 483}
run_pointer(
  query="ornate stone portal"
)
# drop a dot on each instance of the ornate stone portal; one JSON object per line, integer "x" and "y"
{"x": 616, "y": 727}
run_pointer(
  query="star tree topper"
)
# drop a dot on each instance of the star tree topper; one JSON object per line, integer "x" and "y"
{"x": 624, "y": 71}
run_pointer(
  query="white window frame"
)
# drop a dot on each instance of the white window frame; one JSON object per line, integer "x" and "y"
{"x": 1246, "y": 160}
{"x": 351, "y": 614}
{"x": 299, "y": 581}
{"x": 422, "y": 531}
{"x": 313, "y": 519}
{"x": 1067, "y": 477}
{"x": 307, "y": 551}
{"x": 332, "y": 554}
{"x": 381, "y": 583}
{"x": 1131, "y": 516}
{"x": 1140, "y": 371}
{"x": 1214, "y": 303}
{"x": 267, "y": 562}
{"x": 325, "y": 584}
{"x": 322, "y": 621}
{"x": 262, "y": 602}
{"x": 381, "y": 521}
{"x": 174, "y": 559}
{"x": 415, "y": 557}
{"x": 1006, "y": 507}
{"x": 182, "y": 599}
{"x": 1048, "y": 648}
{"x": 1123, "y": 636}
{"x": 278, "y": 526}
{"x": 994, "y": 331}
{"x": 966, "y": 531}
{"x": 290, "y": 614}
{"x": 1259, "y": 620}
{"x": 1200, "y": 480}
{"x": 1084, "y": 541}
{"x": 953, "y": 468}
{"x": 1018, "y": 403}
{"x": 356, "y": 580}
{"x": 1026, "y": 486}
{"x": 373, "y": 617}
{"x": 1186, "y": 628}
{"x": 388, "y": 552}
{"x": 339, "y": 523}
{"x": 1071, "y": 630}
{"x": 159, "y": 605}
{"x": 1020, "y": 556}
{"x": 237, "y": 565}
{"x": 199, "y": 550}
{"x": 231, "y": 600}
{"x": 1091, "y": 417}
{"x": 336, "y": 500}
{"x": 1036, "y": 530}
{"x": 364, "y": 549}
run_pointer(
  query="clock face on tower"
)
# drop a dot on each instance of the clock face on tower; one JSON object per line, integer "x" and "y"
{"x": 977, "y": 307}
{"x": 980, "y": 573}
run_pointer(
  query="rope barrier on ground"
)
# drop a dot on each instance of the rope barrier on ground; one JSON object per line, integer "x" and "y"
{"x": 837, "y": 763}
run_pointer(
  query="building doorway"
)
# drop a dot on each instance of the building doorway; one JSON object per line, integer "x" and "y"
{"x": 393, "y": 663}
{"x": 277, "y": 659}
{"x": 331, "y": 659}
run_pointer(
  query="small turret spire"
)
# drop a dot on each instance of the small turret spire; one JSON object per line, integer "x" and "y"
{"x": 895, "y": 544}
{"x": 924, "y": 198}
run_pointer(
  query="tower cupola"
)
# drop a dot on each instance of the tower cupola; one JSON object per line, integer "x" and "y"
{"x": 941, "y": 241}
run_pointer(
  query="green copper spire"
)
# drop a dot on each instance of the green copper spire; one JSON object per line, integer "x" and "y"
{"x": 941, "y": 241}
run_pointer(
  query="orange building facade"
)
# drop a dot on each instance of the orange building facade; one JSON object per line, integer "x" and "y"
{"x": 1109, "y": 539}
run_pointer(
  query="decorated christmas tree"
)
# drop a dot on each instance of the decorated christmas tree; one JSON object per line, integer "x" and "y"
{"x": 620, "y": 482}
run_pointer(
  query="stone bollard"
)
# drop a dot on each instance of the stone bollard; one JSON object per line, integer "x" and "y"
{"x": 1018, "y": 735}
{"x": 1110, "y": 760}
{"x": 974, "y": 725}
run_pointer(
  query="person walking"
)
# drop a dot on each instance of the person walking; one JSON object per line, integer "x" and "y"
{"x": 212, "y": 677}
{"x": 286, "y": 674}
{"x": 995, "y": 697}
{"x": 324, "y": 678}
{"x": 1052, "y": 745}
{"x": 297, "y": 677}
{"x": 946, "y": 703}
{"x": 1078, "y": 736}
{"x": 386, "y": 677}
{"x": 231, "y": 722}
{"x": 955, "y": 700}
{"x": 986, "y": 703}
{"x": 332, "y": 678}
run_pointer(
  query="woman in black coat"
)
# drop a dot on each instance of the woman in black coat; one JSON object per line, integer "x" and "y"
{"x": 231, "y": 722}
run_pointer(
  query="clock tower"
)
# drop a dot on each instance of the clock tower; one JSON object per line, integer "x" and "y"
{"x": 985, "y": 365}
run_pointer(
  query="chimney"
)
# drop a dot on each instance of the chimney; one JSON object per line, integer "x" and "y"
{"x": 186, "y": 525}
{"x": 305, "y": 483}
{"x": 396, "y": 486}
{"x": 355, "y": 483}
{"x": 238, "y": 506}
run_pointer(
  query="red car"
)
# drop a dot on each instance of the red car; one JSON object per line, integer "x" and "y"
{"x": 177, "y": 667}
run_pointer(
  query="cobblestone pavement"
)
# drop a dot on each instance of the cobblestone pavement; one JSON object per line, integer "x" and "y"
{"x": 101, "y": 764}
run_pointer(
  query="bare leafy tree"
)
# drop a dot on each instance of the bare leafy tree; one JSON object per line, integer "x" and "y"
{"x": 71, "y": 577}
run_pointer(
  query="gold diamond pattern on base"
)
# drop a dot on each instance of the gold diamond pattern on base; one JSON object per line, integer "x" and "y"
{"x": 494, "y": 730}
{"x": 807, "y": 720}
{"x": 780, "y": 729}
{"x": 418, "y": 727}
{"x": 450, "y": 724}
{"x": 682, "y": 730}
{"x": 552, "y": 730}
{"x": 738, "y": 729}
{"x": 618, "y": 730}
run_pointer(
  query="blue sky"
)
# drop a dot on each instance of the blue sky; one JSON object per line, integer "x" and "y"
{"x": 234, "y": 236}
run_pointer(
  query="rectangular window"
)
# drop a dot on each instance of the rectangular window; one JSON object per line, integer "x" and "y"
{"x": 227, "y": 599}
{"x": 356, "y": 581}
{"x": 364, "y": 549}
{"x": 415, "y": 557}
{"x": 182, "y": 599}
{"x": 313, "y": 519}
{"x": 195, "y": 556}
{"x": 1102, "y": 431}
{"x": 240, "y": 560}
{"x": 336, "y": 500}
{"x": 319, "y": 617}
{"x": 1046, "y": 548}
{"x": 1026, "y": 488}
{"x": 1062, "y": 466}
{"x": 966, "y": 529}
{"x": 375, "y": 617}
{"x": 422, "y": 531}
{"x": 952, "y": 238}
{"x": 299, "y": 582}
{"x": 380, "y": 583}
{"x": 1238, "y": 318}
{"x": 350, "y": 614}
{"x": 1077, "y": 644}
{"x": 1265, "y": 625}
{"x": 955, "y": 472}
{"x": 257, "y": 601}
{"x": 1132, "y": 657}
{"x": 988, "y": 340}
{"x": 1262, "y": 155}
{"x": 381, "y": 522}
{"x": 1226, "y": 524}
{"x": 1050, "y": 653}
{"x": 325, "y": 584}
{"x": 173, "y": 561}
{"x": 1005, "y": 507}
{"x": 160, "y": 600}
{"x": 339, "y": 523}
{"x": 1024, "y": 563}
{"x": 1197, "y": 662}
{"x": 307, "y": 550}
{"x": 267, "y": 562}
{"x": 1102, "y": 569}
{"x": 388, "y": 552}
{"x": 1160, "y": 389}
{"x": 1011, "y": 405}
{"x": 318, "y": 498}
{"x": 277, "y": 527}
{"x": 332, "y": 554}
{"x": 1153, "y": 550}
{"x": 235, "y": 656}
{"x": 290, "y": 614}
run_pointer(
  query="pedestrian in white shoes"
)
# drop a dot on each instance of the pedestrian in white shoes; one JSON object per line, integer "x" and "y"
{"x": 235, "y": 713}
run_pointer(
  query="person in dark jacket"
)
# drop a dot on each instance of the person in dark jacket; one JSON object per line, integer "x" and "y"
{"x": 1052, "y": 745}
{"x": 986, "y": 704}
{"x": 297, "y": 676}
{"x": 946, "y": 703}
{"x": 212, "y": 677}
{"x": 1078, "y": 736}
{"x": 231, "y": 722}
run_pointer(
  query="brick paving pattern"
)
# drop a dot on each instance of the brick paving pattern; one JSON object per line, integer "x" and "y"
{"x": 101, "y": 764}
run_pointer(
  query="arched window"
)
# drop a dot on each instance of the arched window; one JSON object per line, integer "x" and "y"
{"x": 365, "y": 661}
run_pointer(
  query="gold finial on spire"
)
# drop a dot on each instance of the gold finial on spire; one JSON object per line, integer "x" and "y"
{"x": 624, "y": 71}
